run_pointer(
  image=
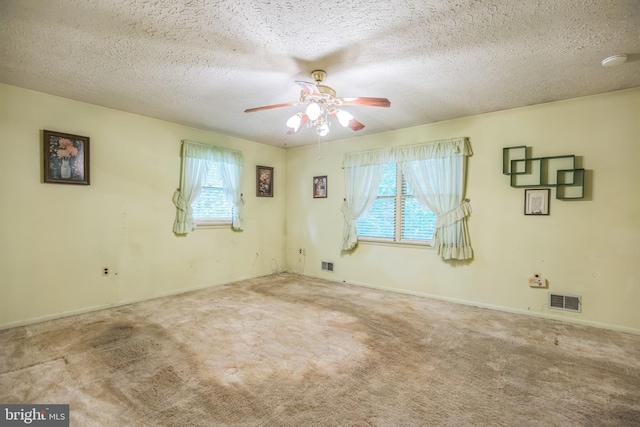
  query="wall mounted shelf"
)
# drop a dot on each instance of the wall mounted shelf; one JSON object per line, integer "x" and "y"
{"x": 553, "y": 171}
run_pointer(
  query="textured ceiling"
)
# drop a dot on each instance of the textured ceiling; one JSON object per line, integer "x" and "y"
{"x": 202, "y": 62}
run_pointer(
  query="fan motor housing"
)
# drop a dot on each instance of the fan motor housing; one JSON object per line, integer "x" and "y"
{"x": 328, "y": 94}
{"x": 326, "y": 90}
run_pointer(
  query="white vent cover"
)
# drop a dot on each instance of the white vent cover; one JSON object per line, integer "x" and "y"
{"x": 327, "y": 266}
{"x": 567, "y": 302}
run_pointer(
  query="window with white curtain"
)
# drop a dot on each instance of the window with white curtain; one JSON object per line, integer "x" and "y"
{"x": 209, "y": 188}
{"x": 409, "y": 194}
{"x": 396, "y": 216}
{"x": 212, "y": 206}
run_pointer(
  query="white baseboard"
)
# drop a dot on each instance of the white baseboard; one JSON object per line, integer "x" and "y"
{"x": 83, "y": 310}
{"x": 543, "y": 315}
{"x": 538, "y": 314}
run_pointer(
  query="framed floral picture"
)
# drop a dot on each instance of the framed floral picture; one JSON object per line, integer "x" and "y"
{"x": 264, "y": 181}
{"x": 66, "y": 158}
{"x": 320, "y": 187}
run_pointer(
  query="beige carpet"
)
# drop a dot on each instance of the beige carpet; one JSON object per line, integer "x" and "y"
{"x": 285, "y": 350}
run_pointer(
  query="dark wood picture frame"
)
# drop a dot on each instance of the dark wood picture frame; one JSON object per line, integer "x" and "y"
{"x": 320, "y": 187}
{"x": 536, "y": 201}
{"x": 264, "y": 181}
{"x": 65, "y": 157}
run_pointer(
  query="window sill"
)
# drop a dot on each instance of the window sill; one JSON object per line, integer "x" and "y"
{"x": 212, "y": 225}
{"x": 414, "y": 245}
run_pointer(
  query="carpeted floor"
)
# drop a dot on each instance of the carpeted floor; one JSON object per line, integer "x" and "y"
{"x": 286, "y": 350}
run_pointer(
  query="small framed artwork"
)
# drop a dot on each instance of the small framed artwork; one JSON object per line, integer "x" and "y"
{"x": 264, "y": 181}
{"x": 536, "y": 202}
{"x": 66, "y": 158}
{"x": 320, "y": 187}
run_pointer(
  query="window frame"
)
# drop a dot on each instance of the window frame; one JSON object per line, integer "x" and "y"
{"x": 399, "y": 203}
{"x": 212, "y": 222}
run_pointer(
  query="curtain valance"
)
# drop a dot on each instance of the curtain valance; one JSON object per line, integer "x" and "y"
{"x": 197, "y": 150}
{"x": 422, "y": 151}
{"x": 433, "y": 150}
{"x": 367, "y": 158}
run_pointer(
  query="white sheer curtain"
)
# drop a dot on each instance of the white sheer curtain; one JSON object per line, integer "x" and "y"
{"x": 436, "y": 174}
{"x": 362, "y": 172}
{"x": 196, "y": 161}
{"x": 195, "y": 173}
{"x": 231, "y": 173}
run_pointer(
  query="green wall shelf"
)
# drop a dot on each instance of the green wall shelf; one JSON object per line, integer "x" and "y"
{"x": 553, "y": 171}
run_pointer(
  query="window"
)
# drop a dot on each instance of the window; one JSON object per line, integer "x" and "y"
{"x": 212, "y": 206}
{"x": 385, "y": 209}
{"x": 396, "y": 216}
{"x": 221, "y": 202}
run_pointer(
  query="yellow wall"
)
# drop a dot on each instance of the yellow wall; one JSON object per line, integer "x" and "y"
{"x": 54, "y": 239}
{"x": 589, "y": 247}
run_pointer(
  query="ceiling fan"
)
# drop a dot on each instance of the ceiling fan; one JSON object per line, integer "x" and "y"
{"x": 321, "y": 103}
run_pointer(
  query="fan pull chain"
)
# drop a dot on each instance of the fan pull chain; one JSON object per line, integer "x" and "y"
{"x": 319, "y": 155}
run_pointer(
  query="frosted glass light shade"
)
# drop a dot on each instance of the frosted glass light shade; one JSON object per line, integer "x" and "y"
{"x": 313, "y": 111}
{"x": 294, "y": 122}
{"x": 344, "y": 117}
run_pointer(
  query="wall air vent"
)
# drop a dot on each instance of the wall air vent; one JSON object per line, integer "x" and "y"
{"x": 565, "y": 302}
{"x": 327, "y": 266}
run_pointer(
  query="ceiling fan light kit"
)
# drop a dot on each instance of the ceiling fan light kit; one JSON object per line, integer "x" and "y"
{"x": 321, "y": 103}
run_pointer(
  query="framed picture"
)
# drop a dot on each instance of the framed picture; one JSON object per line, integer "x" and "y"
{"x": 66, "y": 158}
{"x": 264, "y": 181}
{"x": 320, "y": 187}
{"x": 536, "y": 202}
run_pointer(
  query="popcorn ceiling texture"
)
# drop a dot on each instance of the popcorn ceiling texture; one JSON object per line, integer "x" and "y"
{"x": 202, "y": 63}
{"x": 286, "y": 350}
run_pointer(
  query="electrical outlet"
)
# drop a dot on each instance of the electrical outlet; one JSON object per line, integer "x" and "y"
{"x": 537, "y": 281}
{"x": 105, "y": 271}
{"x": 302, "y": 251}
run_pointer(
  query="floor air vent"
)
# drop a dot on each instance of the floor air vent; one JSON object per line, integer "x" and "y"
{"x": 327, "y": 266}
{"x": 565, "y": 302}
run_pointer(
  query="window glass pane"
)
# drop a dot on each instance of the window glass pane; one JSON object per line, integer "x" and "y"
{"x": 419, "y": 223}
{"x": 380, "y": 222}
{"x": 406, "y": 188}
{"x": 388, "y": 181}
{"x": 212, "y": 203}
{"x": 214, "y": 178}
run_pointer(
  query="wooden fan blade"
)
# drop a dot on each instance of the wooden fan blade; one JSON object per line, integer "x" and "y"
{"x": 269, "y": 107}
{"x": 309, "y": 88}
{"x": 355, "y": 125}
{"x": 369, "y": 102}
